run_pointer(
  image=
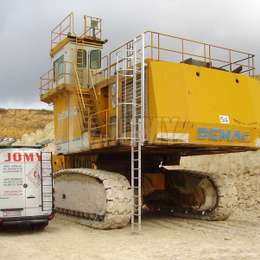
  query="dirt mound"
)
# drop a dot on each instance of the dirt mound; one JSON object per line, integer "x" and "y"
{"x": 16, "y": 122}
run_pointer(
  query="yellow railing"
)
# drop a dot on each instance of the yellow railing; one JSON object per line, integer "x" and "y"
{"x": 79, "y": 89}
{"x": 166, "y": 47}
{"x": 50, "y": 81}
{"x": 46, "y": 82}
{"x": 68, "y": 75}
{"x": 92, "y": 28}
{"x": 62, "y": 30}
{"x": 84, "y": 110}
{"x": 100, "y": 130}
{"x": 161, "y": 44}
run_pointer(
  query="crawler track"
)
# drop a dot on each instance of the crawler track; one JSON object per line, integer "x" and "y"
{"x": 118, "y": 199}
{"x": 225, "y": 204}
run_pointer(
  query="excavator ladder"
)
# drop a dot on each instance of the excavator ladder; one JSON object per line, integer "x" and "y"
{"x": 130, "y": 116}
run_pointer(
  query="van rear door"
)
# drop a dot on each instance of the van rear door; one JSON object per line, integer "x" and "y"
{"x": 12, "y": 189}
{"x": 32, "y": 169}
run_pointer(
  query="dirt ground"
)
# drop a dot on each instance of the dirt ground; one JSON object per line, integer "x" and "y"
{"x": 162, "y": 238}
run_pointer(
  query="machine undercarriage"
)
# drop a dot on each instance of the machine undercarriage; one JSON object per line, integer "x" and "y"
{"x": 103, "y": 199}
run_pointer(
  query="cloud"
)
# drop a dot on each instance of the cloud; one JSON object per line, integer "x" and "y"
{"x": 25, "y": 32}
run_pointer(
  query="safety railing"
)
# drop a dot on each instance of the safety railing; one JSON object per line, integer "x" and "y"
{"x": 46, "y": 82}
{"x": 100, "y": 128}
{"x": 61, "y": 31}
{"x": 165, "y": 47}
{"x": 172, "y": 48}
{"x": 92, "y": 27}
{"x": 82, "y": 106}
{"x": 51, "y": 79}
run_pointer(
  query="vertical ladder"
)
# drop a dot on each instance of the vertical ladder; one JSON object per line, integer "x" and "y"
{"x": 137, "y": 135}
{"x": 131, "y": 113}
{"x": 47, "y": 182}
{"x": 136, "y": 177}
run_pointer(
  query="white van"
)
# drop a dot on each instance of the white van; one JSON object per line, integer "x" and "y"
{"x": 26, "y": 186}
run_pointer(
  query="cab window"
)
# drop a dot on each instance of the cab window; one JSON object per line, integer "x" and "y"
{"x": 58, "y": 68}
{"x": 95, "y": 59}
{"x": 81, "y": 58}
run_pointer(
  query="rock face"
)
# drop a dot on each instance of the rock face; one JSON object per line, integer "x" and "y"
{"x": 43, "y": 136}
{"x": 16, "y": 122}
{"x": 244, "y": 168}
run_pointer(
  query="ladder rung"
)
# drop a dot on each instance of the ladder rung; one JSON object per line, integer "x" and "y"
{"x": 136, "y": 223}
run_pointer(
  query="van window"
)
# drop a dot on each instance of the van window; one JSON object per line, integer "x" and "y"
{"x": 58, "y": 68}
{"x": 95, "y": 59}
{"x": 81, "y": 58}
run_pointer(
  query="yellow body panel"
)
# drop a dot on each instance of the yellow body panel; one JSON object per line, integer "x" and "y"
{"x": 183, "y": 98}
{"x": 68, "y": 136}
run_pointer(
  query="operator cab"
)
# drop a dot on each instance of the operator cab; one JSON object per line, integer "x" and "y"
{"x": 70, "y": 52}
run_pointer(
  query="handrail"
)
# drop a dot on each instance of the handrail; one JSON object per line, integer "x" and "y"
{"x": 61, "y": 30}
{"x": 198, "y": 42}
{"x": 211, "y": 59}
{"x": 220, "y": 57}
{"x": 93, "y": 85}
{"x": 103, "y": 125}
{"x": 79, "y": 88}
{"x": 47, "y": 80}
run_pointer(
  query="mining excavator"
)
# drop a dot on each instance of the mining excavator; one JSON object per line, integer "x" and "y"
{"x": 124, "y": 120}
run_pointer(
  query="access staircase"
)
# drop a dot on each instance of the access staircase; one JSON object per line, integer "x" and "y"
{"x": 86, "y": 101}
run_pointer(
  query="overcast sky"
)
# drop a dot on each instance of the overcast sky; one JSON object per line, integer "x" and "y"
{"x": 25, "y": 27}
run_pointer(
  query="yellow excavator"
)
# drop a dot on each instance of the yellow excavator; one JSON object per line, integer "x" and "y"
{"x": 122, "y": 119}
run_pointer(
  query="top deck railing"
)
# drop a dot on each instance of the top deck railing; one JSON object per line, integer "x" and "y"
{"x": 62, "y": 30}
{"x": 165, "y": 47}
{"x": 92, "y": 28}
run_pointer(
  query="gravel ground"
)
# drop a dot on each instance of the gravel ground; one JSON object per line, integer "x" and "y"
{"x": 162, "y": 238}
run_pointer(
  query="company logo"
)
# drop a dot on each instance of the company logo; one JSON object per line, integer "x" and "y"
{"x": 26, "y": 157}
{"x": 218, "y": 134}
